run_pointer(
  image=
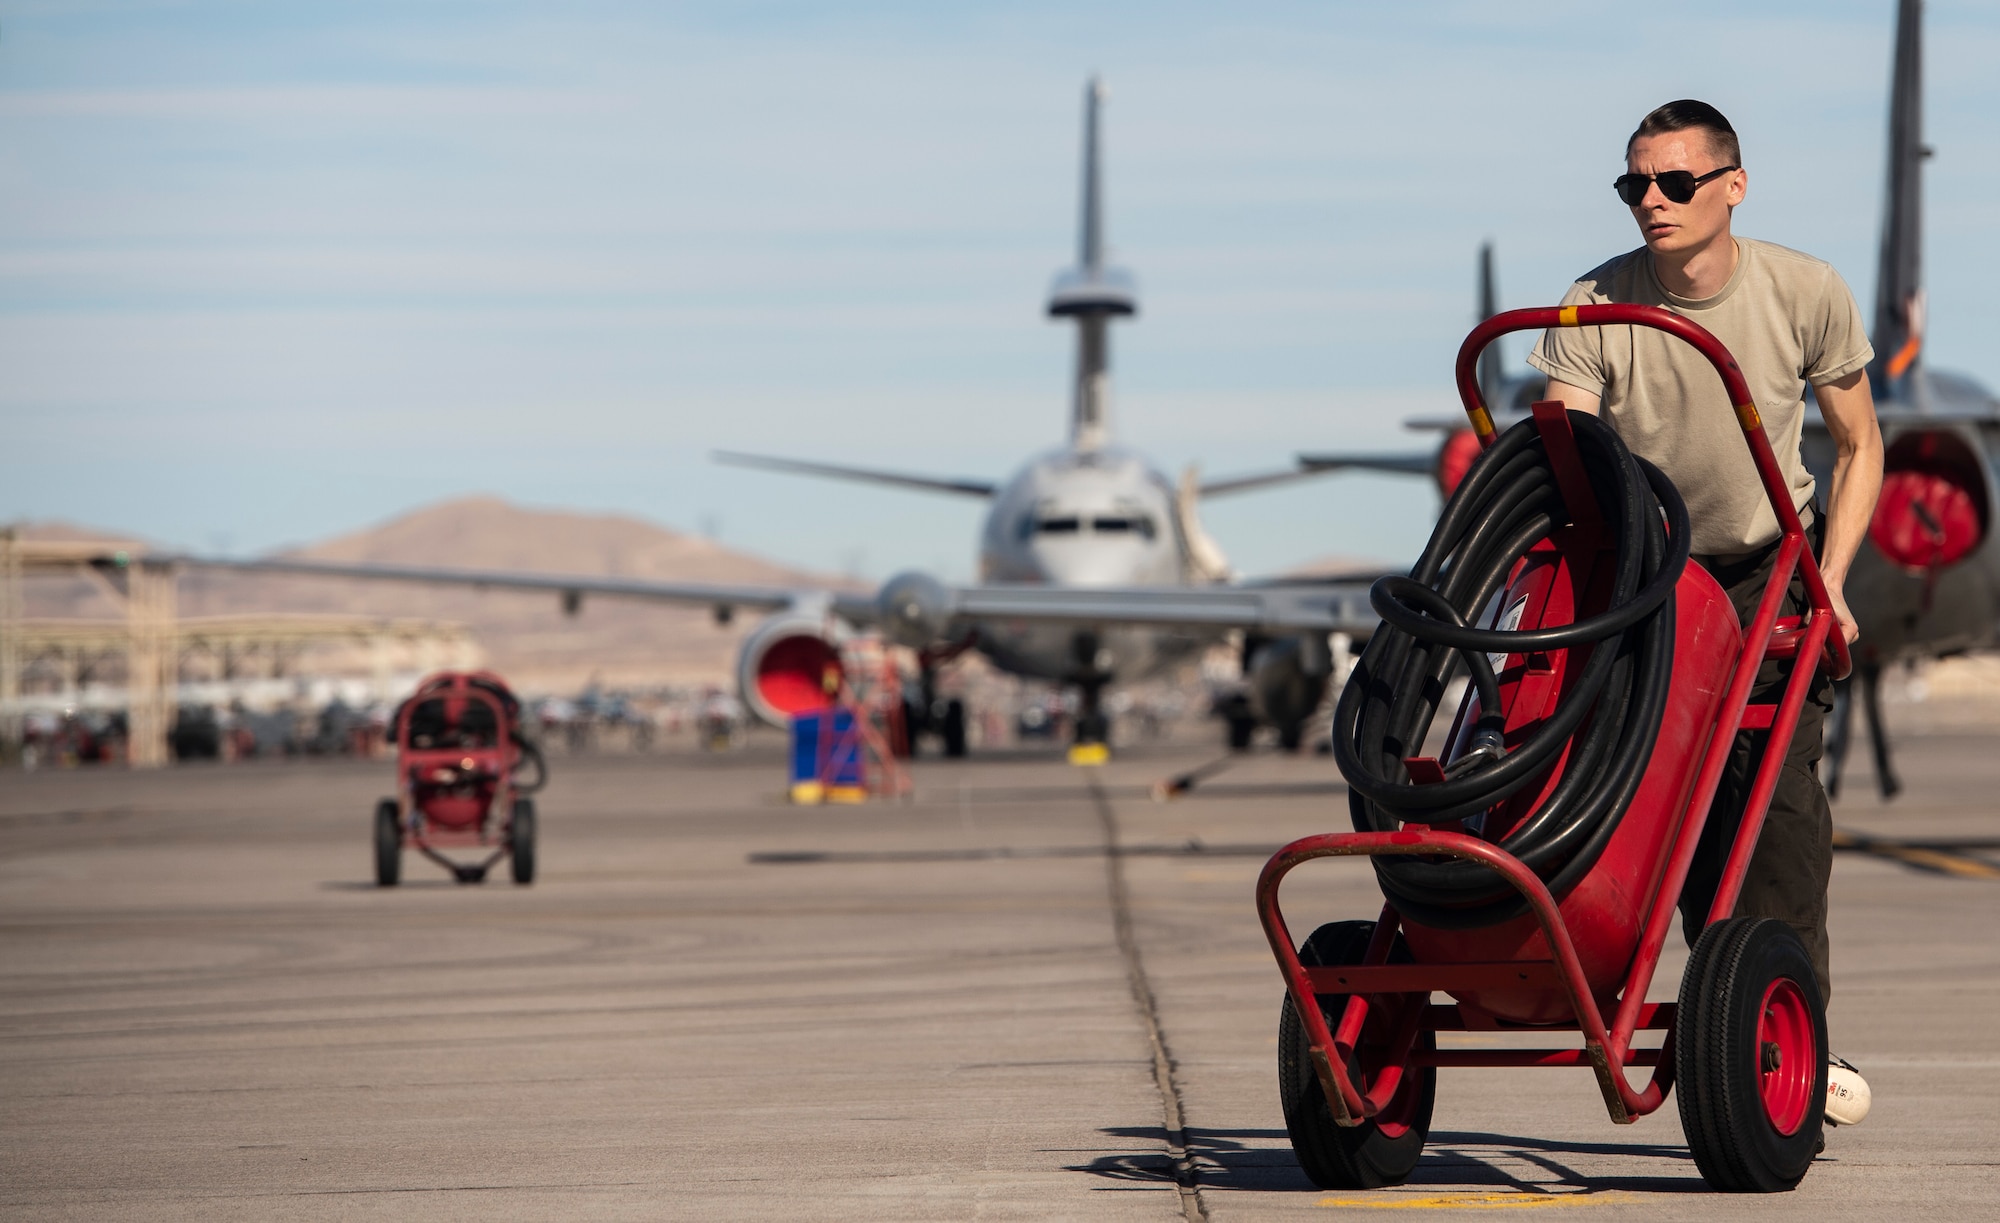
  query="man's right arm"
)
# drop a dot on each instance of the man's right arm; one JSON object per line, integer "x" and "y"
{"x": 1572, "y": 358}
{"x": 1575, "y": 398}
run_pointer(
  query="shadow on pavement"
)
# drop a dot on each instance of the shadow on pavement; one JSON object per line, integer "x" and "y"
{"x": 1227, "y": 1160}
{"x": 1221, "y": 1161}
{"x": 421, "y": 884}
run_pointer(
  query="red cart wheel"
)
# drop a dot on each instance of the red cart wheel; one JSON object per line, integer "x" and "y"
{"x": 1750, "y": 1056}
{"x": 388, "y": 843}
{"x": 1382, "y": 1150}
{"x": 1785, "y": 1047}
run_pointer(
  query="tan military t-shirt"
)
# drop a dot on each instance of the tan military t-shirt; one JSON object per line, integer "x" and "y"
{"x": 1787, "y": 318}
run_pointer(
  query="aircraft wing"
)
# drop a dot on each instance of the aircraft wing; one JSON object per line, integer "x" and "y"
{"x": 1243, "y": 484}
{"x": 1410, "y": 463}
{"x": 1336, "y": 606}
{"x": 570, "y": 586}
{"x": 1331, "y": 605}
{"x": 862, "y": 475}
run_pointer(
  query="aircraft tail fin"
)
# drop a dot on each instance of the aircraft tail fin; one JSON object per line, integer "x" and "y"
{"x": 1090, "y": 226}
{"x": 1899, "y": 293}
{"x": 1092, "y": 294}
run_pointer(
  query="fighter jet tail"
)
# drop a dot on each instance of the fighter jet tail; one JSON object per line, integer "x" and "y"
{"x": 1093, "y": 295}
{"x": 1490, "y": 373}
{"x": 1899, "y": 292}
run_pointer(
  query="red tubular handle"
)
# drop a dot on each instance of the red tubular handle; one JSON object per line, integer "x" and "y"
{"x": 1835, "y": 656}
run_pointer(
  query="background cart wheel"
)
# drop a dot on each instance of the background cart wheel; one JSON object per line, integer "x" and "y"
{"x": 1383, "y": 1149}
{"x": 1750, "y": 1056}
{"x": 388, "y": 843}
{"x": 953, "y": 729}
{"x": 521, "y": 840}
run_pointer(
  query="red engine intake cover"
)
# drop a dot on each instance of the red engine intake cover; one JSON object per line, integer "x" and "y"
{"x": 1932, "y": 512}
{"x": 792, "y": 675}
{"x": 1604, "y": 912}
{"x": 1455, "y": 458}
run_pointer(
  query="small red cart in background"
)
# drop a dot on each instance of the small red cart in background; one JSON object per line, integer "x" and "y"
{"x": 459, "y": 756}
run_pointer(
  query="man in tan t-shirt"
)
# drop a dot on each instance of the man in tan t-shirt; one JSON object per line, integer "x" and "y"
{"x": 1790, "y": 322}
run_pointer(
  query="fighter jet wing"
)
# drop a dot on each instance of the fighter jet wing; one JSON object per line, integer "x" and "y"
{"x": 1228, "y": 485}
{"x": 570, "y": 586}
{"x": 1503, "y": 419}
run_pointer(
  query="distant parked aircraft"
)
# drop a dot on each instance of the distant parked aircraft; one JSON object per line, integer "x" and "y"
{"x": 1094, "y": 569}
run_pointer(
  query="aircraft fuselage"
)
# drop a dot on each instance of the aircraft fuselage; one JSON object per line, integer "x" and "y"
{"x": 1083, "y": 518}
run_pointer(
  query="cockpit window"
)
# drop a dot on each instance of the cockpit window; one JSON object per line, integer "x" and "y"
{"x": 1071, "y": 524}
{"x": 1139, "y": 525}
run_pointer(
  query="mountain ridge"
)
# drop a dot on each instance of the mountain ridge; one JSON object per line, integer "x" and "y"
{"x": 524, "y": 636}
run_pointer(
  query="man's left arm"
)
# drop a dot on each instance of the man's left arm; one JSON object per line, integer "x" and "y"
{"x": 1848, "y": 407}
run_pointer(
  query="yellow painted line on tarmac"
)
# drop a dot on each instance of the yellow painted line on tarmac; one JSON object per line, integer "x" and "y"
{"x": 1473, "y": 1201}
{"x": 1964, "y": 866}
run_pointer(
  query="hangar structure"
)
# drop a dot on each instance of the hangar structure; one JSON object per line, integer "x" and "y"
{"x": 157, "y": 647}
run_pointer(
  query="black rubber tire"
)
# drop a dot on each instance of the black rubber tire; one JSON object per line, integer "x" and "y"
{"x": 1719, "y": 1064}
{"x": 388, "y": 844}
{"x": 1364, "y": 1156}
{"x": 1240, "y": 731}
{"x": 952, "y": 729}
{"x": 521, "y": 840}
{"x": 1291, "y": 735}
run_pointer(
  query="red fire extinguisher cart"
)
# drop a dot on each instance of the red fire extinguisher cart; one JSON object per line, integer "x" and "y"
{"x": 1747, "y": 1037}
{"x": 460, "y": 755}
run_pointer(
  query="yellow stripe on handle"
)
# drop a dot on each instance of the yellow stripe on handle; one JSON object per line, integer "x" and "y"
{"x": 1566, "y": 317}
{"x": 1747, "y": 413}
{"x": 1482, "y": 422}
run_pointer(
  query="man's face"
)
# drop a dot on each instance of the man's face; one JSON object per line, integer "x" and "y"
{"x": 1666, "y": 226}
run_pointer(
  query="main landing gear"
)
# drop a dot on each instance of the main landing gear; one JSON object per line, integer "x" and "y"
{"x": 1241, "y": 727}
{"x": 928, "y": 714}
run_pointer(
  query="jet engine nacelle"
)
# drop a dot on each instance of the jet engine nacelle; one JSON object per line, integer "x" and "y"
{"x": 916, "y": 609}
{"x": 1935, "y": 507}
{"x": 789, "y": 664}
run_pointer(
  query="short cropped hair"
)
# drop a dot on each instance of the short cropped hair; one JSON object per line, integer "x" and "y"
{"x": 1690, "y": 115}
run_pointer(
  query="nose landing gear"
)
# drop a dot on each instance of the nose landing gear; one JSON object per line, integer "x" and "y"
{"x": 1093, "y": 728}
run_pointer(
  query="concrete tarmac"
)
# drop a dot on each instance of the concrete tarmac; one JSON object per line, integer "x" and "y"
{"x": 713, "y": 1005}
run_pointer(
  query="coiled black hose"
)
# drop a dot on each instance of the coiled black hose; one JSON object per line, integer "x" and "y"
{"x": 1508, "y": 501}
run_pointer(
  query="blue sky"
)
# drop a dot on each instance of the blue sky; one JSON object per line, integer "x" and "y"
{"x": 270, "y": 272}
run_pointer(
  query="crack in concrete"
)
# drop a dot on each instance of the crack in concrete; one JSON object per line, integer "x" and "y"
{"x": 1186, "y": 1177}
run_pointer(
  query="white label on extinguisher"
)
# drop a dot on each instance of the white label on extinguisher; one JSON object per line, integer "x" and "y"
{"x": 1509, "y": 621}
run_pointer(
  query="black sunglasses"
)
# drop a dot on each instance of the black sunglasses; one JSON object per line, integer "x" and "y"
{"x": 1678, "y": 186}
